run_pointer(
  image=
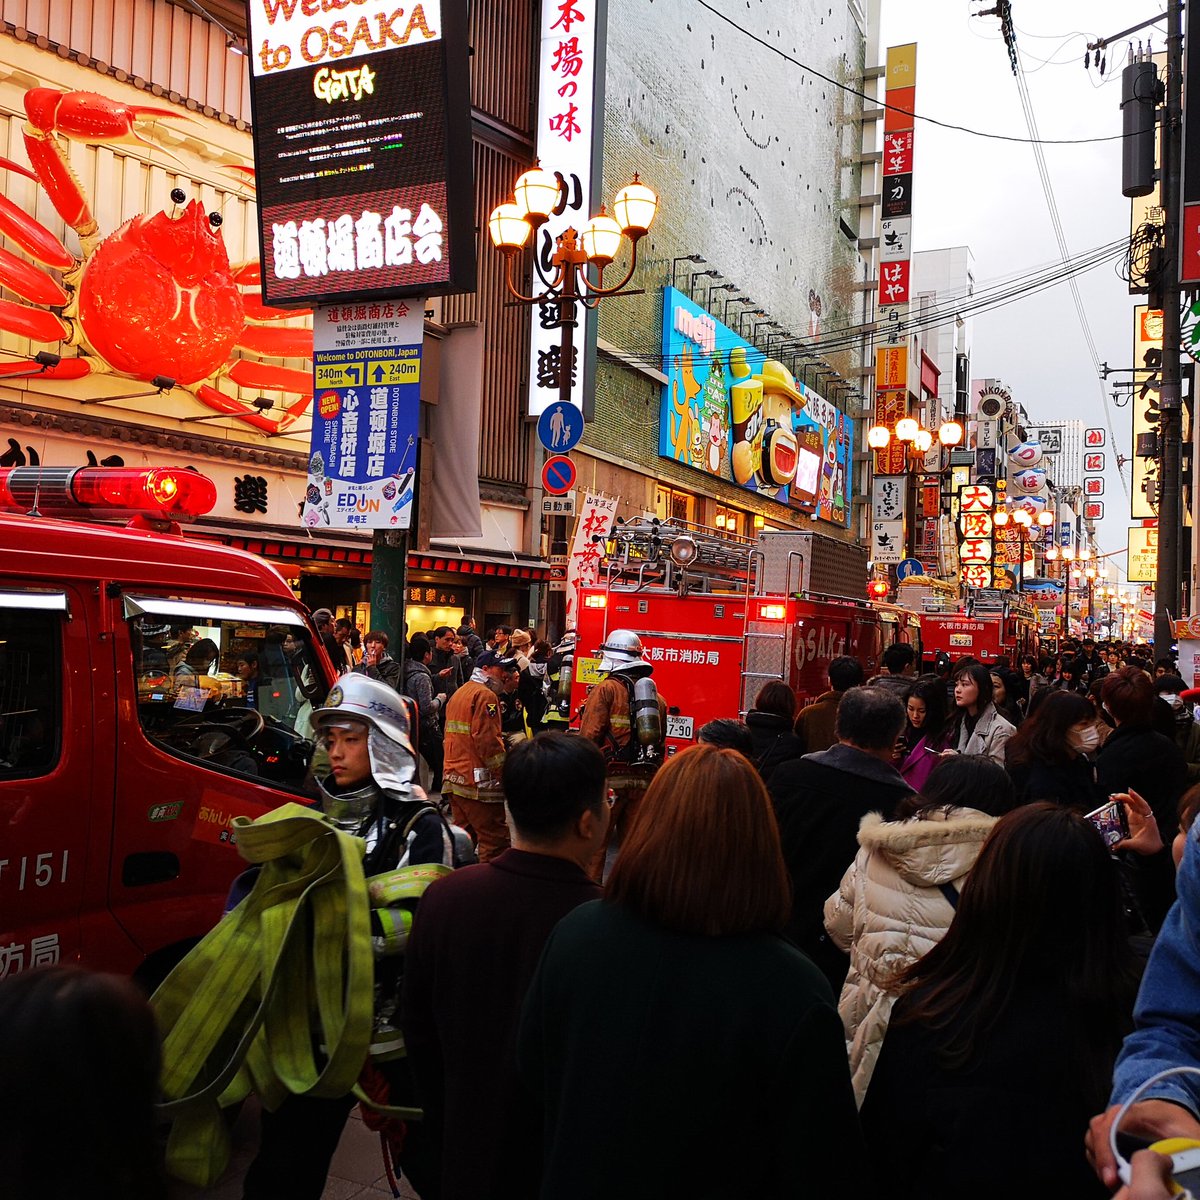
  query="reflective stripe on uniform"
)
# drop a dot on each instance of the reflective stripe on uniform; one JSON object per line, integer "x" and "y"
{"x": 458, "y": 727}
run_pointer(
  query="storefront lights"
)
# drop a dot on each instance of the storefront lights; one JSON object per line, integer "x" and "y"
{"x": 878, "y": 437}
{"x": 537, "y": 193}
{"x": 601, "y": 239}
{"x": 950, "y": 433}
{"x": 508, "y": 228}
{"x": 906, "y": 429}
{"x": 635, "y": 206}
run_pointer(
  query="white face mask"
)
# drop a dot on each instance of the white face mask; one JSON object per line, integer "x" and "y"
{"x": 1085, "y": 740}
{"x": 1173, "y": 699}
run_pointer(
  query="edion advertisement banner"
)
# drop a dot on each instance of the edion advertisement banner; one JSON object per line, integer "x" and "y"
{"x": 361, "y": 113}
{"x": 729, "y": 411}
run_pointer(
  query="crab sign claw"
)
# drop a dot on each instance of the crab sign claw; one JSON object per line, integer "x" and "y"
{"x": 229, "y": 405}
{"x": 87, "y": 117}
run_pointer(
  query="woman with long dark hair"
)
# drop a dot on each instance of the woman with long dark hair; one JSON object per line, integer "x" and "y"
{"x": 671, "y": 1035}
{"x": 924, "y": 736}
{"x": 1002, "y": 1044}
{"x": 977, "y": 727}
{"x": 1051, "y": 757}
{"x": 898, "y": 897}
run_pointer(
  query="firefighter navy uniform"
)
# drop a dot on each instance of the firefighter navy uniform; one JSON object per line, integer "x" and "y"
{"x": 474, "y": 759}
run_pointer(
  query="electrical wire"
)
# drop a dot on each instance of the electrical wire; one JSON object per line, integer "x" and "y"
{"x": 877, "y": 102}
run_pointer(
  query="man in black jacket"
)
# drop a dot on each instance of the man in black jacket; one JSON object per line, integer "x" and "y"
{"x": 820, "y": 800}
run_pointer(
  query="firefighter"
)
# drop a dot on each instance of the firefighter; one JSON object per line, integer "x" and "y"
{"x": 474, "y": 754}
{"x": 633, "y": 749}
{"x": 557, "y": 688}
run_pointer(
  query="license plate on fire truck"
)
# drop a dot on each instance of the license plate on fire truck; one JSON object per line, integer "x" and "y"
{"x": 680, "y": 727}
{"x": 962, "y": 639}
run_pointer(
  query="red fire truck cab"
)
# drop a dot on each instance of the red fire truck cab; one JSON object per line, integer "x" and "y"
{"x": 151, "y": 689}
{"x": 720, "y": 618}
{"x": 992, "y": 624}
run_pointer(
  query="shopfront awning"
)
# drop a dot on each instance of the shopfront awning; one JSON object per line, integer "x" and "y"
{"x": 349, "y": 549}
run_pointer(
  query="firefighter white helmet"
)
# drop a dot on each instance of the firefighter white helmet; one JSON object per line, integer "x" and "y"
{"x": 621, "y": 650}
{"x": 357, "y": 697}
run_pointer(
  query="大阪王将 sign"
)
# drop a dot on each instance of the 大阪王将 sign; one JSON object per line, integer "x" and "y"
{"x": 366, "y": 402}
{"x": 361, "y": 114}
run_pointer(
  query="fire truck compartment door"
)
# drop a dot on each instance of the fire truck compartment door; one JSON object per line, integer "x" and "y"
{"x": 193, "y": 610}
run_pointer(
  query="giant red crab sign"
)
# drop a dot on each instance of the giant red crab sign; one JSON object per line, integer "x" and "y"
{"x": 157, "y": 298}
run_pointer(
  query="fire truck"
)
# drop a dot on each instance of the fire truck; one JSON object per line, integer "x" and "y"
{"x": 991, "y": 623}
{"x": 719, "y": 617}
{"x": 152, "y": 689}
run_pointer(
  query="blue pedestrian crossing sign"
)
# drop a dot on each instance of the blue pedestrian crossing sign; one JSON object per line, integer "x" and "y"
{"x": 910, "y": 566}
{"x": 560, "y": 427}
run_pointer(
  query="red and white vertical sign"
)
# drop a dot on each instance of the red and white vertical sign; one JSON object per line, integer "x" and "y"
{"x": 895, "y": 230}
{"x": 596, "y": 518}
{"x": 570, "y": 116}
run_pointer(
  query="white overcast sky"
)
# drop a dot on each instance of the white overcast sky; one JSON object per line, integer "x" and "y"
{"x": 987, "y": 194}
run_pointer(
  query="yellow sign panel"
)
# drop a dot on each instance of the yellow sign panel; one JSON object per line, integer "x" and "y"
{"x": 891, "y": 368}
{"x": 901, "y": 67}
{"x": 587, "y": 671}
{"x": 395, "y": 370}
{"x": 338, "y": 374}
{"x": 1143, "y": 554}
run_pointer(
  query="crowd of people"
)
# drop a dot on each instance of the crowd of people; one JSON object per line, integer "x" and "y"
{"x": 921, "y": 936}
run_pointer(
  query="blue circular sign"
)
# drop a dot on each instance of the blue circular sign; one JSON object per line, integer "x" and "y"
{"x": 910, "y": 566}
{"x": 560, "y": 427}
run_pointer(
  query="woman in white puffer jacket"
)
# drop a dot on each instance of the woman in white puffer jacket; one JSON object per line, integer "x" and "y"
{"x": 897, "y": 898}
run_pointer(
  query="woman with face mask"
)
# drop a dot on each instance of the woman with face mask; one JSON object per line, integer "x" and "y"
{"x": 1182, "y": 727}
{"x": 1051, "y": 757}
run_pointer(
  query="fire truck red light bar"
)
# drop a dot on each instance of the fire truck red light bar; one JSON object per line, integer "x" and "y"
{"x": 595, "y": 601}
{"x": 772, "y": 612}
{"x": 164, "y": 493}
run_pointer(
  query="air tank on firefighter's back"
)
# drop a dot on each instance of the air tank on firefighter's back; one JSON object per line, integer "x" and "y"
{"x": 566, "y": 672}
{"x": 646, "y": 716}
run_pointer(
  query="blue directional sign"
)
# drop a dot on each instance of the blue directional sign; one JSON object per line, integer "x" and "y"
{"x": 560, "y": 427}
{"x": 910, "y": 566}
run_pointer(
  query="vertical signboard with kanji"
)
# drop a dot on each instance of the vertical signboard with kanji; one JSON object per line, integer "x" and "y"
{"x": 1147, "y": 359}
{"x": 569, "y": 130}
{"x": 366, "y": 401}
{"x": 891, "y": 404}
{"x": 895, "y": 239}
{"x": 596, "y": 518}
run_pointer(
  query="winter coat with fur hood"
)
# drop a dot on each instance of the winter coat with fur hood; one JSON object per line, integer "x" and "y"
{"x": 891, "y": 910}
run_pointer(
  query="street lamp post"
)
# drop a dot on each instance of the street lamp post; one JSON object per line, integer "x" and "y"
{"x": 512, "y": 225}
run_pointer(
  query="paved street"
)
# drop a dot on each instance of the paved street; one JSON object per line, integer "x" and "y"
{"x": 357, "y": 1170}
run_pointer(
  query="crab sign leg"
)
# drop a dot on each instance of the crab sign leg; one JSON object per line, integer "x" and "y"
{"x": 36, "y": 323}
{"x": 69, "y": 368}
{"x": 87, "y": 117}
{"x": 247, "y": 373}
{"x": 30, "y": 234}
{"x": 30, "y": 282}
{"x": 276, "y": 343}
{"x": 233, "y": 407}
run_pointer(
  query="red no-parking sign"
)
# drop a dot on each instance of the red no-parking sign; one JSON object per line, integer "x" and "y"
{"x": 558, "y": 475}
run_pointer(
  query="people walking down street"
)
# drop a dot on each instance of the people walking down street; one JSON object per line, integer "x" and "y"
{"x": 1001, "y": 1044}
{"x": 418, "y": 687}
{"x": 819, "y": 802}
{"x": 633, "y": 751}
{"x": 816, "y": 726}
{"x": 771, "y": 722}
{"x": 369, "y": 792}
{"x": 480, "y": 932}
{"x": 1185, "y": 731}
{"x": 1027, "y": 681}
{"x": 472, "y": 642}
{"x": 977, "y": 727}
{"x": 1052, "y": 755}
{"x": 377, "y": 663}
{"x": 1004, "y": 704}
{"x": 677, "y": 1044}
{"x": 925, "y": 733}
{"x": 898, "y": 897}
{"x": 474, "y": 755}
{"x": 69, "y": 1032}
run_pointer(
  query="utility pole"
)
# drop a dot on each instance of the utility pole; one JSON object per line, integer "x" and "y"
{"x": 1167, "y": 590}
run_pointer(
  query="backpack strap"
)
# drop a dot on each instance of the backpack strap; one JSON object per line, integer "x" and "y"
{"x": 951, "y": 893}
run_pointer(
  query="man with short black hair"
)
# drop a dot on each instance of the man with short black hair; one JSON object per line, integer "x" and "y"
{"x": 896, "y": 678}
{"x": 445, "y": 666}
{"x": 816, "y": 724}
{"x": 820, "y": 800}
{"x": 474, "y": 947}
{"x": 377, "y": 663}
{"x": 471, "y": 639}
{"x": 323, "y": 620}
{"x": 728, "y": 734}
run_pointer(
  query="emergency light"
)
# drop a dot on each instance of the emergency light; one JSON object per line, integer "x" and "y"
{"x": 595, "y": 601}
{"x": 878, "y": 589}
{"x": 153, "y": 493}
{"x": 772, "y": 612}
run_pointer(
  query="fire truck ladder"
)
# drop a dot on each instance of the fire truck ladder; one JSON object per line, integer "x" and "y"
{"x": 766, "y": 644}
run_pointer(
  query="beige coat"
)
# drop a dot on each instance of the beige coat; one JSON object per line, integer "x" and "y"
{"x": 890, "y": 911}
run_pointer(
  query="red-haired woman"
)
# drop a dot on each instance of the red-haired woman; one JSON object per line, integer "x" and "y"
{"x": 678, "y": 1044}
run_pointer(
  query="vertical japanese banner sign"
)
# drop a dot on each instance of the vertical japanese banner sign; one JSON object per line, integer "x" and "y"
{"x": 895, "y": 231}
{"x": 366, "y": 401}
{"x": 891, "y": 404}
{"x": 1147, "y": 358}
{"x": 569, "y": 137}
{"x": 596, "y": 517}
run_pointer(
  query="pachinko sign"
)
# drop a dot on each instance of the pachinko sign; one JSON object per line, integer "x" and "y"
{"x": 731, "y": 412}
{"x": 356, "y": 108}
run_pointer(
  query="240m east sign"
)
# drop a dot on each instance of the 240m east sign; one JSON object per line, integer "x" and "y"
{"x": 362, "y": 148}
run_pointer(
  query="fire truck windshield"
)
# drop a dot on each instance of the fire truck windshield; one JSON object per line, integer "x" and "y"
{"x": 232, "y": 688}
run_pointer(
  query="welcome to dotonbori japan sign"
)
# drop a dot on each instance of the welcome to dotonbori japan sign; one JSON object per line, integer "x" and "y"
{"x": 362, "y": 146}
